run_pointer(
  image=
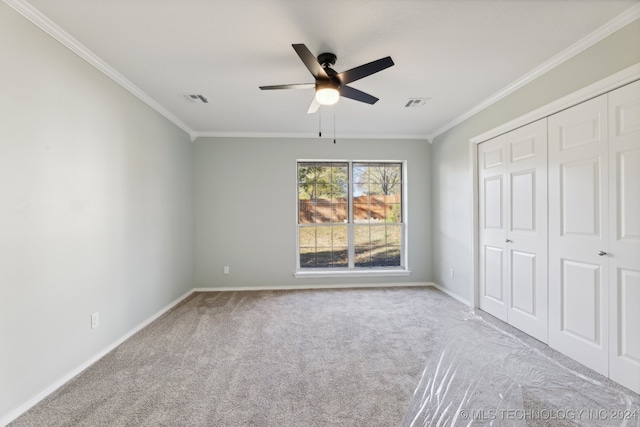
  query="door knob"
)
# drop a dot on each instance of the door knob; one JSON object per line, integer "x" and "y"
{"x": 602, "y": 253}
{"x": 508, "y": 241}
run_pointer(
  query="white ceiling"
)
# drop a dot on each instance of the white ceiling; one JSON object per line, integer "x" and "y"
{"x": 459, "y": 53}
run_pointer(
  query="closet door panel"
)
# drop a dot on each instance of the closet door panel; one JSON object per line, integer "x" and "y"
{"x": 624, "y": 238}
{"x": 523, "y": 280}
{"x": 523, "y": 201}
{"x": 627, "y": 180}
{"x": 581, "y": 308}
{"x": 580, "y": 198}
{"x": 578, "y": 233}
{"x": 527, "y": 231}
{"x": 492, "y": 159}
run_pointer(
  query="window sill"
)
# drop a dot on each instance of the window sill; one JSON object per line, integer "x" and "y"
{"x": 309, "y": 274}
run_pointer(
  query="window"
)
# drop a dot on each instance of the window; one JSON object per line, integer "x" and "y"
{"x": 350, "y": 218}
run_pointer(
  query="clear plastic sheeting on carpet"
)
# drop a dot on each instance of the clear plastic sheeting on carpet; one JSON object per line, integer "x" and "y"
{"x": 502, "y": 381}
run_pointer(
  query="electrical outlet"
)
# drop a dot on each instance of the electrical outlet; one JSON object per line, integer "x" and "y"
{"x": 95, "y": 320}
{"x": 451, "y": 272}
{"x": 226, "y": 269}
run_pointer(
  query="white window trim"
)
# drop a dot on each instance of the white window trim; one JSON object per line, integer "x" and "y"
{"x": 314, "y": 274}
{"x": 307, "y": 273}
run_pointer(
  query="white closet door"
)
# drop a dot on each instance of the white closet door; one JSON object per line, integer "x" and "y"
{"x": 513, "y": 228}
{"x": 624, "y": 235}
{"x": 526, "y": 249}
{"x": 578, "y": 233}
{"x": 492, "y": 158}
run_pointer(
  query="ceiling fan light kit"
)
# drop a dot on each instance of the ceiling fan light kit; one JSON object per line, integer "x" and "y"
{"x": 327, "y": 93}
{"x": 329, "y": 84}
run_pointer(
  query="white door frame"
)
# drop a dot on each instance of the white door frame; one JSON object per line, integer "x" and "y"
{"x": 598, "y": 88}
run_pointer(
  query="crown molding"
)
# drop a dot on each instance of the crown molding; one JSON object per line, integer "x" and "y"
{"x": 44, "y": 23}
{"x": 606, "y": 30}
{"x": 305, "y": 135}
{"x": 612, "y": 82}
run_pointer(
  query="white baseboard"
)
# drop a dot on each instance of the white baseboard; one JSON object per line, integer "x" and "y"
{"x": 301, "y": 287}
{"x": 452, "y": 295}
{"x": 69, "y": 376}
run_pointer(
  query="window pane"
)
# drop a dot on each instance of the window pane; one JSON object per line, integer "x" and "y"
{"x": 323, "y": 258}
{"x": 363, "y": 256}
{"x": 306, "y": 180}
{"x": 324, "y": 247}
{"x": 306, "y": 190}
{"x": 360, "y": 190}
{"x": 376, "y": 204}
{"x": 319, "y": 195}
{"x": 393, "y": 213}
{"x": 378, "y": 257}
{"x": 378, "y": 235}
{"x": 361, "y": 235}
{"x": 340, "y": 254}
{"x": 340, "y": 259}
{"x": 392, "y": 256}
{"x": 306, "y": 212}
{"x": 307, "y": 237}
{"x": 340, "y": 248}
{"x": 339, "y": 213}
{"x": 361, "y": 181}
{"x": 377, "y": 245}
{"x": 323, "y": 182}
{"x": 359, "y": 173}
{"x": 393, "y": 236}
{"x": 307, "y": 257}
{"x": 388, "y": 178}
{"x": 395, "y": 190}
{"x": 339, "y": 194}
{"x": 361, "y": 212}
{"x": 323, "y": 211}
{"x": 373, "y": 256}
{"x": 392, "y": 176}
{"x": 339, "y": 180}
{"x": 305, "y": 173}
{"x": 323, "y": 237}
{"x": 320, "y": 187}
{"x": 340, "y": 236}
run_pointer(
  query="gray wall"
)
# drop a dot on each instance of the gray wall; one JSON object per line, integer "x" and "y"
{"x": 96, "y": 199}
{"x": 246, "y": 207}
{"x": 452, "y": 229}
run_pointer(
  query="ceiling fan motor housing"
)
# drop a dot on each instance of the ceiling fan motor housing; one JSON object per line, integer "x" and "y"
{"x": 327, "y": 59}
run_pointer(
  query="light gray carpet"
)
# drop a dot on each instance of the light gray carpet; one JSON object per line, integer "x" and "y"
{"x": 350, "y": 357}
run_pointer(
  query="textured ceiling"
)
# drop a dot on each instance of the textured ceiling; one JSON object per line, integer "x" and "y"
{"x": 458, "y": 53}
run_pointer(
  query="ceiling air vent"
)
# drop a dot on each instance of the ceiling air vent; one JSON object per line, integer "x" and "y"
{"x": 416, "y": 102}
{"x": 197, "y": 99}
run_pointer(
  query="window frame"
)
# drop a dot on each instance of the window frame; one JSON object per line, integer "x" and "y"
{"x": 352, "y": 270}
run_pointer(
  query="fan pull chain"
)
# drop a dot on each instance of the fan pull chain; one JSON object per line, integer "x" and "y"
{"x": 320, "y": 123}
{"x": 334, "y": 125}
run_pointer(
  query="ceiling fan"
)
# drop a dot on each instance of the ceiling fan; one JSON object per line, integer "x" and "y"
{"x": 331, "y": 85}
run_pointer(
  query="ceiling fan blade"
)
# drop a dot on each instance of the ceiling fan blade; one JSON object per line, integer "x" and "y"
{"x": 294, "y": 86}
{"x": 358, "y": 95}
{"x": 364, "y": 70}
{"x": 310, "y": 61}
{"x": 314, "y": 106}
